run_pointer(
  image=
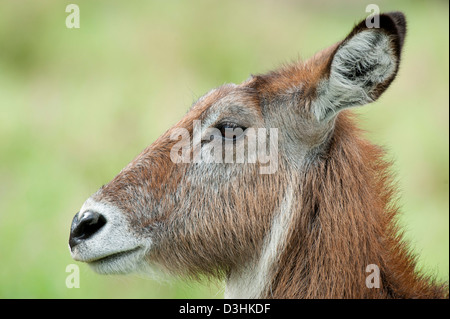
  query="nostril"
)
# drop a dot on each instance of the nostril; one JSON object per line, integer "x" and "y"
{"x": 85, "y": 226}
{"x": 89, "y": 224}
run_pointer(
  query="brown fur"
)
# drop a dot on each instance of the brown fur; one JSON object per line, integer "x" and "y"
{"x": 346, "y": 220}
{"x": 214, "y": 219}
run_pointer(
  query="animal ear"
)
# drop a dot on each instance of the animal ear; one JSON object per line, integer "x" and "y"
{"x": 361, "y": 67}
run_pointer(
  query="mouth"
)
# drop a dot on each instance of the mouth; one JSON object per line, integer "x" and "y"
{"x": 114, "y": 256}
{"x": 122, "y": 262}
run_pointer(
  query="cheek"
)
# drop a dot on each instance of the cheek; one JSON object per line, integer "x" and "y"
{"x": 233, "y": 196}
{"x": 219, "y": 217}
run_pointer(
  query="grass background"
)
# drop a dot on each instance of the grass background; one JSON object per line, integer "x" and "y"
{"x": 76, "y": 105}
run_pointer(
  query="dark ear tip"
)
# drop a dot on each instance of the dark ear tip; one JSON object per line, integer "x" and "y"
{"x": 398, "y": 20}
{"x": 394, "y": 23}
{"x": 398, "y": 17}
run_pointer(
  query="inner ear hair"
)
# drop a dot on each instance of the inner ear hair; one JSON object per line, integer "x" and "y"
{"x": 358, "y": 67}
{"x": 362, "y": 67}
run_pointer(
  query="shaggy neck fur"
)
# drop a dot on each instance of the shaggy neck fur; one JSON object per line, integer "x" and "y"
{"x": 343, "y": 220}
{"x": 251, "y": 280}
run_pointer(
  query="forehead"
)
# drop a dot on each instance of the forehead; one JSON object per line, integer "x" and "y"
{"x": 227, "y": 101}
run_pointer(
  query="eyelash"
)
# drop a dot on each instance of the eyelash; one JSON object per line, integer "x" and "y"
{"x": 231, "y": 127}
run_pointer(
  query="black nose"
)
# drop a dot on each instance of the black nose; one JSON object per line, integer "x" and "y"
{"x": 85, "y": 226}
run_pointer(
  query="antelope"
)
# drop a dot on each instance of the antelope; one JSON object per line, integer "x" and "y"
{"x": 309, "y": 228}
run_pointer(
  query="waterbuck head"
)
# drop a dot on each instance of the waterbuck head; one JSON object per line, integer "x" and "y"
{"x": 220, "y": 192}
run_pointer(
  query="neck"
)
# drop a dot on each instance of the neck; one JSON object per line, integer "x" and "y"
{"x": 341, "y": 226}
{"x": 250, "y": 281}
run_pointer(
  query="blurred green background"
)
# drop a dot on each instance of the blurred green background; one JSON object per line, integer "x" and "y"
{"x": 76, "y": 105}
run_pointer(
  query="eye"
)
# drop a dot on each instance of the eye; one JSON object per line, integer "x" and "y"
{"x": 230, "y": 131}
